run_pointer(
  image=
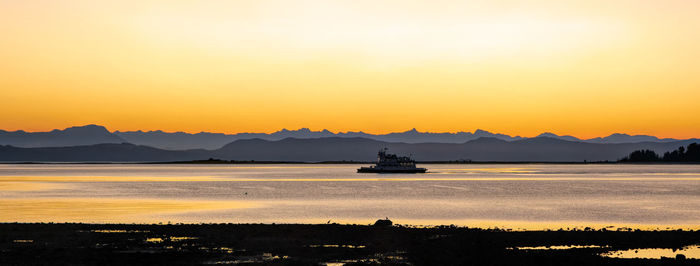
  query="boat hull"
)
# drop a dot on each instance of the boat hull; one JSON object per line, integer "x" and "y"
{"x": 396, "y": 171}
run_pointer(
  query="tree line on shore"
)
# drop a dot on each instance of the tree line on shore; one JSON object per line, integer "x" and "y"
{"x": 682, "y": 154}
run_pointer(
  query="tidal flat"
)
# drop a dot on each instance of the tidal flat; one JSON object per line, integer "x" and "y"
{"x": 333, "y": 244}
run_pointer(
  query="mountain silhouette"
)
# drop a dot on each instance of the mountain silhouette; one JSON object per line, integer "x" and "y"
{"x": 123, "y": 152}
{"x": 555, "y": 136}
{"x": 540, "y": 149}
{"x": 94, "y": 134}
{"x": 72, "y": 136}
{"x": 625, "y": 138}
{"x": 180, "y": 140}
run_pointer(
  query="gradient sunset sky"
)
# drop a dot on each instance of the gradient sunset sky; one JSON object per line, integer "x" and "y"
{"x": 586, "y": 68}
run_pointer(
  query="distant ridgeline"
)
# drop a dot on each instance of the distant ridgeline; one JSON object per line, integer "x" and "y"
{"x": 93, "y": 143}
{"x": 690, "y": 154}
{"x": 96, "y": 134}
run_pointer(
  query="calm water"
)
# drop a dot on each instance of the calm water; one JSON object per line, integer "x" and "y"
{"x": 527, "y": 196}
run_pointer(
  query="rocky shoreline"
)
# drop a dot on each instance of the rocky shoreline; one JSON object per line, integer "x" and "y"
{"x": 325, "y": 244}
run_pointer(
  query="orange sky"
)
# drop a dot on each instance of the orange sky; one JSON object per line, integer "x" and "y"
{"x": 585, "y": 68}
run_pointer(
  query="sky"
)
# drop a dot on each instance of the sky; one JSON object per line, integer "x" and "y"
{"x": 585, "y": 68}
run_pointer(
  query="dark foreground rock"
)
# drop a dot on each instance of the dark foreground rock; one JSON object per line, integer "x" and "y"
{"x": 256, "y": 244}
{"x": 383, "y": 222}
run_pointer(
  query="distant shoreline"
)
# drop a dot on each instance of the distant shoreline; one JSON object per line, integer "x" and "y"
{"x": 417, "y": 162}
{"x": 224, "y": 162}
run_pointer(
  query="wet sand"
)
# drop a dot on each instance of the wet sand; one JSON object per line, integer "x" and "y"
{"x": 332, "y": 244}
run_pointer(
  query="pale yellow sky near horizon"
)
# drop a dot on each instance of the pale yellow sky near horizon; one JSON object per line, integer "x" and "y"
{"x": 582, "y": 68}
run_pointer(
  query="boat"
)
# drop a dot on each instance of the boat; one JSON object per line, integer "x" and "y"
{"x": 391, "y": 163}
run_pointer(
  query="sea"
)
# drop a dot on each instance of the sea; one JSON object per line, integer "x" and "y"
{"x": 505, "y": 196}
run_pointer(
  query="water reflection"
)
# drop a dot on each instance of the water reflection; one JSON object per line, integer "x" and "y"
{"x": 19, "y": 181}
{"x": 77, "y": 179}
{"x": 336, "y": 246}
{"x": 102, "y": 210}
{"x": 523, "y": 196}
{"x": 6, "y": 185}
{"x": 558, "y": 247}
{"x": 116, "y": 231}
{"x": 690, "y": 252}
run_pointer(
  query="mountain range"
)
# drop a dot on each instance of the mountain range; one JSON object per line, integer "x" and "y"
{"x": 93, "y": 143}
{"x": 539, "y": 149}
{"x": 205, "y": 140}
{"x": 95, "y": 134}
{"x": 72, "y": 136}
